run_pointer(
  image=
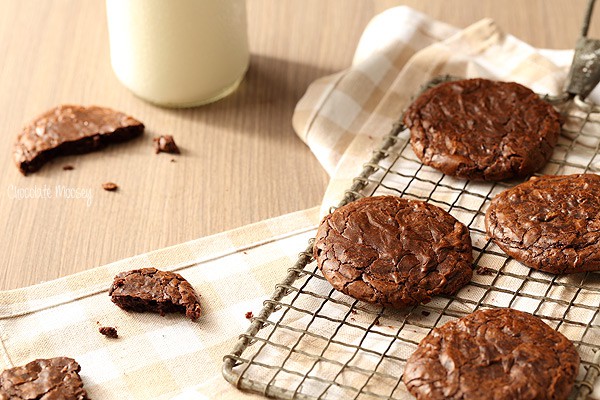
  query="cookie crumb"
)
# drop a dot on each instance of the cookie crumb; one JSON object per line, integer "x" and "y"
{"x": 68, "y": 167}
{"x": 173, "y": 160}
{"x": 165, "y": 144}
{"x": 485, "y": 271}
{"x": 249, "y": 315}
{"x": 425, "y": 313}
{"x": 109, "y": 331}
{"x": 110, "y": 186}
{"x": 377, "y": 322}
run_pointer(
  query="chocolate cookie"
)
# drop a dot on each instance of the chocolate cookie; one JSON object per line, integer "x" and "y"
{"x": 149, "y": 289}
{"x": 68, "y": 129}
{"x": 393, "y": 251}
{"x": 499, "y": 354}
{"x": 550, "y": 223}
{"x": 482, "y": 130}
{"x": 54, "y": 378}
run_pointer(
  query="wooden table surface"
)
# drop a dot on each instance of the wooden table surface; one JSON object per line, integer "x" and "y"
{"x": 241, "y": 161}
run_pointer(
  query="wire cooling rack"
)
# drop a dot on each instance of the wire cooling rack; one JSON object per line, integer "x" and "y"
{"x": 312, "y": 342}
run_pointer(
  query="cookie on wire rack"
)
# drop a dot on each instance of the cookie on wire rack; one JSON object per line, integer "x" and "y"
{"x": 500, "y": 354}
{"x": 550, "y": 223}
{"x": 393, "y": 251}
{"x": 482, "y": 130}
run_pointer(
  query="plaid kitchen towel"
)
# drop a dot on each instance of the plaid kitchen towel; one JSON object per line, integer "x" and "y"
{"x": 341, "y": 118}
{"x": 156, "y": 357}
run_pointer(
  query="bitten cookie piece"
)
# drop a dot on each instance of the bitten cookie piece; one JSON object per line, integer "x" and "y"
{"x": 551, "y": 223}
{"x": 482, "y": 130}
{"x": 70, "y": 129}
{"x": 393, "y": 251}
{"x": 54, "y": 378}
{"x": 499, "y": 354}
{"x": 149, "y": 289}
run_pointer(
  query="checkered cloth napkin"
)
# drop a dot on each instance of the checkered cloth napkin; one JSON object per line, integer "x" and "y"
{"x": 341, "y": 118}
{"x": 156, "y": 357}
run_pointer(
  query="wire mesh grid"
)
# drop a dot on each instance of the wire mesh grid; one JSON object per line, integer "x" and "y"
{"x": 312, "y": 342}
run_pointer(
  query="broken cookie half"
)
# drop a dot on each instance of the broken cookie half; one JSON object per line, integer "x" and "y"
{"x": 71, "y": 129}
{"x": 54, "y": 378}
{"x": 149, "y": 289}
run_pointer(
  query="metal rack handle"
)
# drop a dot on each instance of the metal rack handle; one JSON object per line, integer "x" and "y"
{"x": 584, "y": 74}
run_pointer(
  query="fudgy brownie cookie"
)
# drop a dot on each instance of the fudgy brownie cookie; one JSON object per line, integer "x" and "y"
{"x": 499, "y": 354}
{"x": 149, "y": 289}
{"x": 393, "y": 251}
{"x": 54, "y": 378}
{"x": 551, "y": 223}
{"x": 70, "y": 129}
{"x": 482, "y": 130}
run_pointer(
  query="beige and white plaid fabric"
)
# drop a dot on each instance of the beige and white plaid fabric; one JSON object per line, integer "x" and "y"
{"x": 156, "y": 357}
{"x": 341, "y": 118}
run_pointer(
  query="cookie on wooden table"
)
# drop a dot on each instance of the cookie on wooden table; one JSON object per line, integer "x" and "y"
{"x": 500, "y": 354}
{"x": 550, "y": 223}
{"x": 393, "y": 251}
{"x": 482, "y": 130}
{"x": 71, "y": 129}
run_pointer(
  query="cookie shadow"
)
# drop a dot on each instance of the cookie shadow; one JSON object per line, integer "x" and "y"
{"x": 264, "y": 102}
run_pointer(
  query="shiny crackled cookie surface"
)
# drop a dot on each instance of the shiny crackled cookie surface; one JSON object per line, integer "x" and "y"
{"x": 482, "y": 130}
{"x": 393, "y": 251}
{"x": 550, "y": 223}
{"x": 500, "y": 354}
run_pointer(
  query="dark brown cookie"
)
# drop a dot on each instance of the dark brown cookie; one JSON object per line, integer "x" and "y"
{"x": 70, "y": 129}
{"x": 550, "y": 223}
{"x": 54, "y": 378}
{"x": 499, "y": 354}
{"x": 482, "y": 130}
{"x": 149, "y": 289}
{"x": 393, "y": 251}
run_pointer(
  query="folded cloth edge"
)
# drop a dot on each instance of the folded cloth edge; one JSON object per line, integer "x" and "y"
{"x": 29, "y": 299}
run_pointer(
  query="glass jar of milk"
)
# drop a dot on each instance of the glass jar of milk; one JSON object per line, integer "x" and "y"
{"x": 178, "y": 53}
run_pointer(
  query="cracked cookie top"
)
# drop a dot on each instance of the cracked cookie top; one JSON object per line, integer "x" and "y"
{"x": 500, "y": 354}
{"x": 551, "y": 223}
{"x": 46, "y": 379}
{"x": 149, "y": 289}
{"x": 71, "y": 129}
{"x": 393, "y": 251}
{"x": 482, "y": 130}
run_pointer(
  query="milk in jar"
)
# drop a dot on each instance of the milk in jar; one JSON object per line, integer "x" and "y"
{"x": 178, "y": 53}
